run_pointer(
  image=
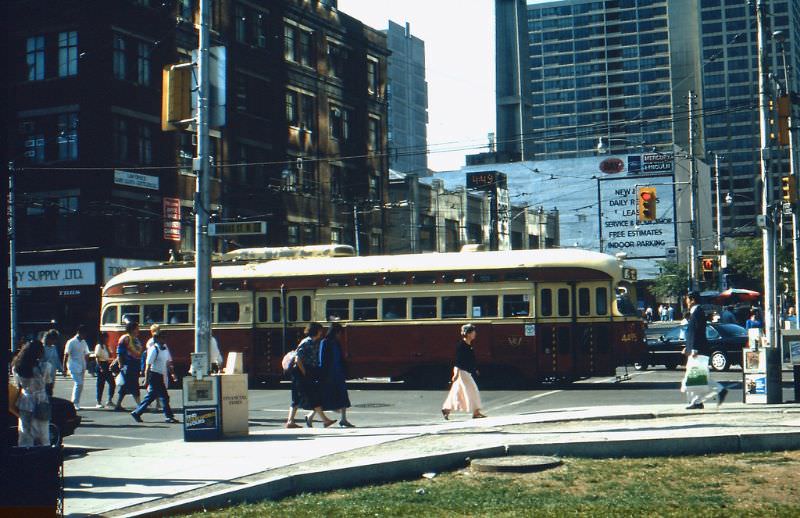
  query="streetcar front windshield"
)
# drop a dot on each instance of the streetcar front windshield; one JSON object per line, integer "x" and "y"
{"x": 626, "y": 299}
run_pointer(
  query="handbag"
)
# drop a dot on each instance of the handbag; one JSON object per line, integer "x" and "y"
{"x": 42, "y": 411}
{"x": 119, "y": 379}
{"x": 288, "y": 362}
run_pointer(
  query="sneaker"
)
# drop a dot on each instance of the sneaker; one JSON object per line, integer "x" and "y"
{"x": 99, "y": 405}
{"x": 136, "y": 417}
{"x": 171, "y": 420}
{"x": 721, "y": 396}
{"x": 695, "y": 406}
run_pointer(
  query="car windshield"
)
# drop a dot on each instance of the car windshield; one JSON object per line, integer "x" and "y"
{"x": 731, "y": 330}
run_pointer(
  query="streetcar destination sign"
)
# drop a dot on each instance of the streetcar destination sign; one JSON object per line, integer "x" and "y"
{"x": 238, "y": 228}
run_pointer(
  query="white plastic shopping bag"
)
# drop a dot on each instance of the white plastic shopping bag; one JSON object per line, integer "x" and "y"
{"x": 696, "y": 377}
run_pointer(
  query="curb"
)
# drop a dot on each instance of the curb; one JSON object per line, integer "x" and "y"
{"x": 409, "y": 468}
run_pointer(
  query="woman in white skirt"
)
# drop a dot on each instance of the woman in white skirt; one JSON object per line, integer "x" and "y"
{"x": 464, "y": 395}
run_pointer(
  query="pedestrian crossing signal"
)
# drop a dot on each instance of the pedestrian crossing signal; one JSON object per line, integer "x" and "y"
{"x": 647, "y": 203}
{"x": 708, "y": 264}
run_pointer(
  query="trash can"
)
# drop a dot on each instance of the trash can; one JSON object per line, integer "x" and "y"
{"x": 33, "y": 482}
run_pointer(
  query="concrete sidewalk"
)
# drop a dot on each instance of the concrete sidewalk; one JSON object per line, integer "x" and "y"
{"x": 168, "y": 477}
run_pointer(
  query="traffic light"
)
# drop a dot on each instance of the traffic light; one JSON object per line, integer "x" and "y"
{"x": 707, "y": 265}
{"x": 789, "y": 189}
{"x": 647, "y": 203}
{"x": 784, "y": 112}
{"x": 175, "y": 96}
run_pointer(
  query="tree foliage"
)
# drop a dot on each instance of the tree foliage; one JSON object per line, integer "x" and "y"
{"x": 746, "y": 263}
{"x": 672, "y": 280}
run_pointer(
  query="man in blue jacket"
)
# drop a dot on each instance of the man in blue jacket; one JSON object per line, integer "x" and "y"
{"x": 696, "y": 345}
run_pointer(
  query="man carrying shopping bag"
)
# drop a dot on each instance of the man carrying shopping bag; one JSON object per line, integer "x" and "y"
{"x": 697, "y": 383}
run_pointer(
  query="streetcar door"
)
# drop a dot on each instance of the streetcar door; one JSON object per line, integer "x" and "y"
{"x": 280, "y": 319}
{"x": 555, "y": 321}
{"x": 592, "y": 310}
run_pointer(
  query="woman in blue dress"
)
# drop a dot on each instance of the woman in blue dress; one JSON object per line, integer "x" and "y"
{"x": 129, "y": 353}
{"x": 333, "y": 375}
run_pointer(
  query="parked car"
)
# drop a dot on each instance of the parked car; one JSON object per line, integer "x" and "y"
{"x": 725, "y": 341}
{"x": 63, "y": 421}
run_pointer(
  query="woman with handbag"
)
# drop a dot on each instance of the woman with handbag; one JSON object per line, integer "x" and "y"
{"x": 464, "y": 395}
{"x": 129, "y": 353}
{"x": 102, "y": 356}
{"x": 32, "y": 375}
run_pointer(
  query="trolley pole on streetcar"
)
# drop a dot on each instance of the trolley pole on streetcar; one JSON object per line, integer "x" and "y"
{"x": 202, "y": 307}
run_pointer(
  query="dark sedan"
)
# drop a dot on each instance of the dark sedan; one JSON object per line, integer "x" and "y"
{"x": 725, "y": 342}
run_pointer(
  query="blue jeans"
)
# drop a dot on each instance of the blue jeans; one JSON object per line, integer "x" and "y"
{"x": 155, "y": 390}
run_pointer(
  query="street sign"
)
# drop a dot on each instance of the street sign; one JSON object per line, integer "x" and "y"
{"x": 237, "y": 228}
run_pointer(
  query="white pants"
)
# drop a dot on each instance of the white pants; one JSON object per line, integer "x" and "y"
{"x": 33, "y": 432}
{"x": 77, "y": 389}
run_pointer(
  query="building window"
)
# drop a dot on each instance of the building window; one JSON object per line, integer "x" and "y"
{"x": 145, "y": 144}
{"x": 337, "y": 57}
{"x": 35, "y": 58}
{"x": 119, "y": 57}
{"x": 67, "y": 137}
{"x": 186, "y": 9}
{"x": 121, "y": 139}
{"x": 307, "y": 112}
{"x": 375, "y": 243}
{"x": 374, "y": 134}
{"x": 299, "y": 45}
{"x": 292, "y": 113}
{"x": 372, "y": 76}
{"x": 143, "y": 63}
{"x": 67, "y": 54}
{"x": 34, "y": 148}
{"x": 241, "y": 24}
{"x": 337, "y": 181}
{"x": 293, "y": 234}
{"x": 336, "y": 235}
{"x": 339, "y": 119}
{"x": 374, "y": 188}
{"x": 308, "y": 175}
{"x": 251, "y": 27}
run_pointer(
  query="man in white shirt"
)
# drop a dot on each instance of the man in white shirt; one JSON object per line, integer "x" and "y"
{"x": 158, "y": 365}
{"x": 76, "y": 353}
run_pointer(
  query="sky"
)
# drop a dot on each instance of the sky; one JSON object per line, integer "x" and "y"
{"x": 459, "y": 56}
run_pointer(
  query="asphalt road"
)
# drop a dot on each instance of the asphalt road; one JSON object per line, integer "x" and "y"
{"x": 391, "y": 404}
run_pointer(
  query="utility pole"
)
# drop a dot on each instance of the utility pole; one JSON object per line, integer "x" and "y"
{"x": 202, "y": 306}
{"x": 719, "y": 222}
{"x": 780, "y": 37}
{"x": 12, "y": 255}
{"x": 773, "y": 366}
{"x": 355, "y": 228}
{"x": 695, "y": 231}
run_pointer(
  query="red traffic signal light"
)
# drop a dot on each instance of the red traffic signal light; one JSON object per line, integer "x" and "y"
{"x": 647, "y": 203}
{"x": 708, "y": 264}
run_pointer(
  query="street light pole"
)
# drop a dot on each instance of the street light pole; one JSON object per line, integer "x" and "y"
{"x": 719, "y": 221}
{"x": 695, "y": 231}
{"x": 202, "y": 259}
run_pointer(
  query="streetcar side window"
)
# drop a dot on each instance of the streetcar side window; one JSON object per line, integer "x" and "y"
{"x": 484, "y": 306}
{"x": 337, "y": 309}
{"x": 178, "y": 313}
{"x": 546, "y": 302}
{"x": 291, "y": 304}
{"x": 601, "y": 301}
{"x": 394, "y": 309}
{"x": 584, "y": 306}
{"x": 228, "y": 312}
{"x": 262, "y": 309}
{"x": 153, "y": 314}
{"x": 516, "y": 306}
{"x": 365, "y": 309}
{"x": 563, "y": 302}
{"x": 276, "y": 309}
{"x": 424, "y": 307}
{"x": 130, "y": 314}
{"x": 110, "y": 315}
{"x": 452, "y": 307}
{"x": 306, "y": 308}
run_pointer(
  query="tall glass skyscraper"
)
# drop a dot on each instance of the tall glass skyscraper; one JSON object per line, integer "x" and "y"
{"x": 623, "y": 70}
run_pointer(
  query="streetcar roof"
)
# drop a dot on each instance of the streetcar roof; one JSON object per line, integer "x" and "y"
{"x": 385, "y": 264}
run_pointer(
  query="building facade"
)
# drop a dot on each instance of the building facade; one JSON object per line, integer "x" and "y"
{"x": 424, "y": 216}
{"x": 408, "y": 101}
{"x": 101, "y": 188}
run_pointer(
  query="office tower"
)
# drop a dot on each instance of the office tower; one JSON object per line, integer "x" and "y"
{"x": 408, "y": 101}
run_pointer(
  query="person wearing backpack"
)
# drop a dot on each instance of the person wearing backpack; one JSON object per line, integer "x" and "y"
{"x": 158, "y": 365}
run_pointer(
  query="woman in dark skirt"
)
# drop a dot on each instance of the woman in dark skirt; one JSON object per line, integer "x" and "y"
{"x": 333, "y": 376}
{"x": 305, "y": 381}
{"x": 129, "y": 353}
